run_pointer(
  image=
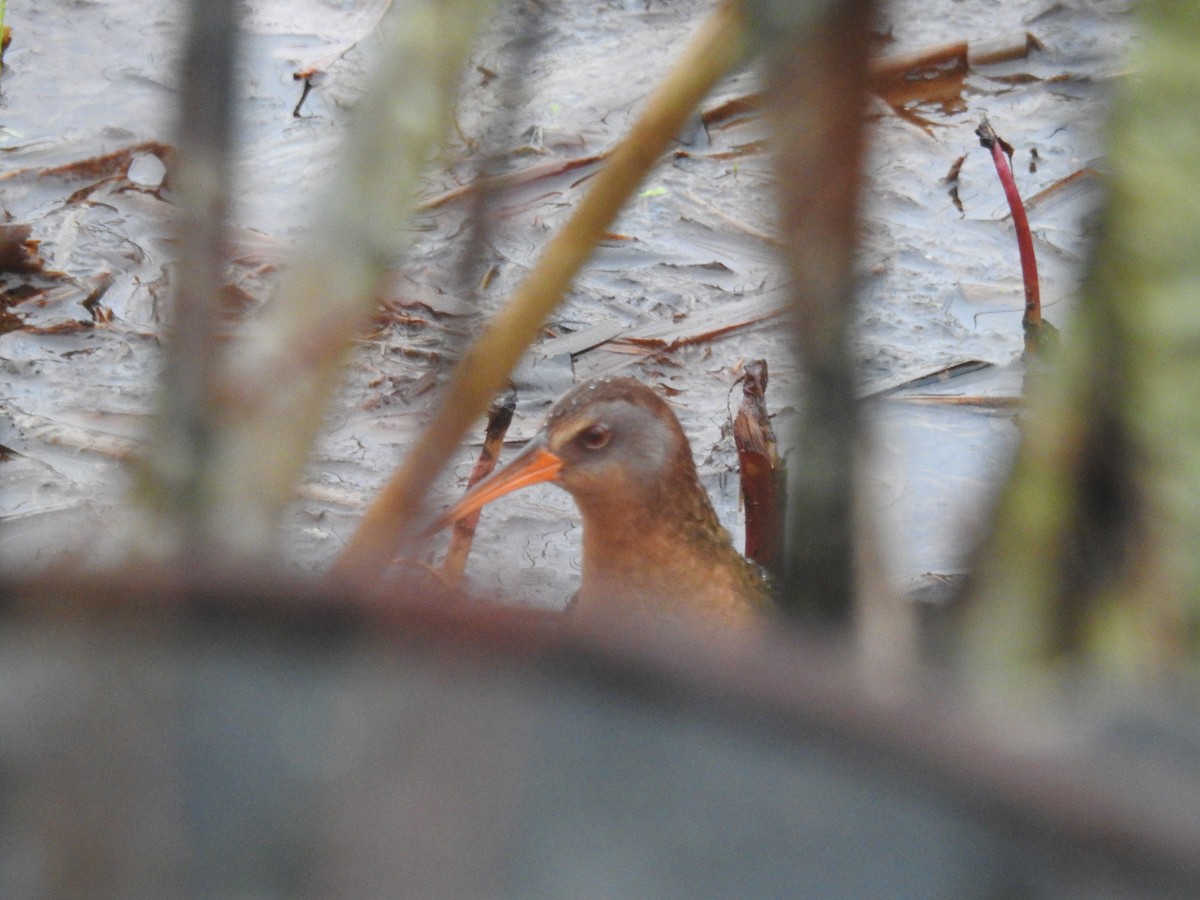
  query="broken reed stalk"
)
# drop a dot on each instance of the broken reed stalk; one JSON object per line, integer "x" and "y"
{"x": 484, "y": 368}
{"x": 958, "y": 55}
{"x": 1002, "y": 152}
{"x": 762, "y": 482}
{"x": 499, "y": 418}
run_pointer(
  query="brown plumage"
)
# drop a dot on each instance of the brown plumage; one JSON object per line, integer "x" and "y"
{"x": 651, "y": 540}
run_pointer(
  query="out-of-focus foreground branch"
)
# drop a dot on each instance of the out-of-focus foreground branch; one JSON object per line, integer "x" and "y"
{"x": 1094, "y": 556}
{"x": 817, "y": 60}
{"x": 176, "y": 477}
{"x": 271, "y": 390}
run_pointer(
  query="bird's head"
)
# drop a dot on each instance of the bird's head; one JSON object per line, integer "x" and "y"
{"x": 610, "y": 442}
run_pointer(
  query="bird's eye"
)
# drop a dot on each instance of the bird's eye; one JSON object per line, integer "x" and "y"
{"x": 594, "y": 437}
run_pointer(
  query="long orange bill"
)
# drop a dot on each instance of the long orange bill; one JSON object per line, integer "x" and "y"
{"x": 532, "y": 465}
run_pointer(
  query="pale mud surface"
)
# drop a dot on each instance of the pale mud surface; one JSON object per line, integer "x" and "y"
{"x": 940, "y": 285}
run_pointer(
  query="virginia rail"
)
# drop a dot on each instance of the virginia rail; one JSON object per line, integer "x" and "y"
{"x": 651, "y": 540}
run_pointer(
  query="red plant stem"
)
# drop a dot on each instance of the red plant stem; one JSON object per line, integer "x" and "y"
{"x": 1033, "y": 301}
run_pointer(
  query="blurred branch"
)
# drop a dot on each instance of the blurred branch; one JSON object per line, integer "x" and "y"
{"x": 819, "y": 74}
{"x": 1094, "y": 554}
{"x": 486, "y": 366}
{"x": 278, "y": 379}
{"x": 176, "y": 478}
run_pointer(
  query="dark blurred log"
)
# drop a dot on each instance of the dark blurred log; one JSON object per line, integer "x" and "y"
{"x": 269, "y": 741}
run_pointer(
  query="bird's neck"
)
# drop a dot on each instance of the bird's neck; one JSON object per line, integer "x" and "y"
{"x": 655, "y": 550}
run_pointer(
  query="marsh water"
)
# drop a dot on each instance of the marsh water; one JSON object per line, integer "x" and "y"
{"x": 87, "y": 106}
